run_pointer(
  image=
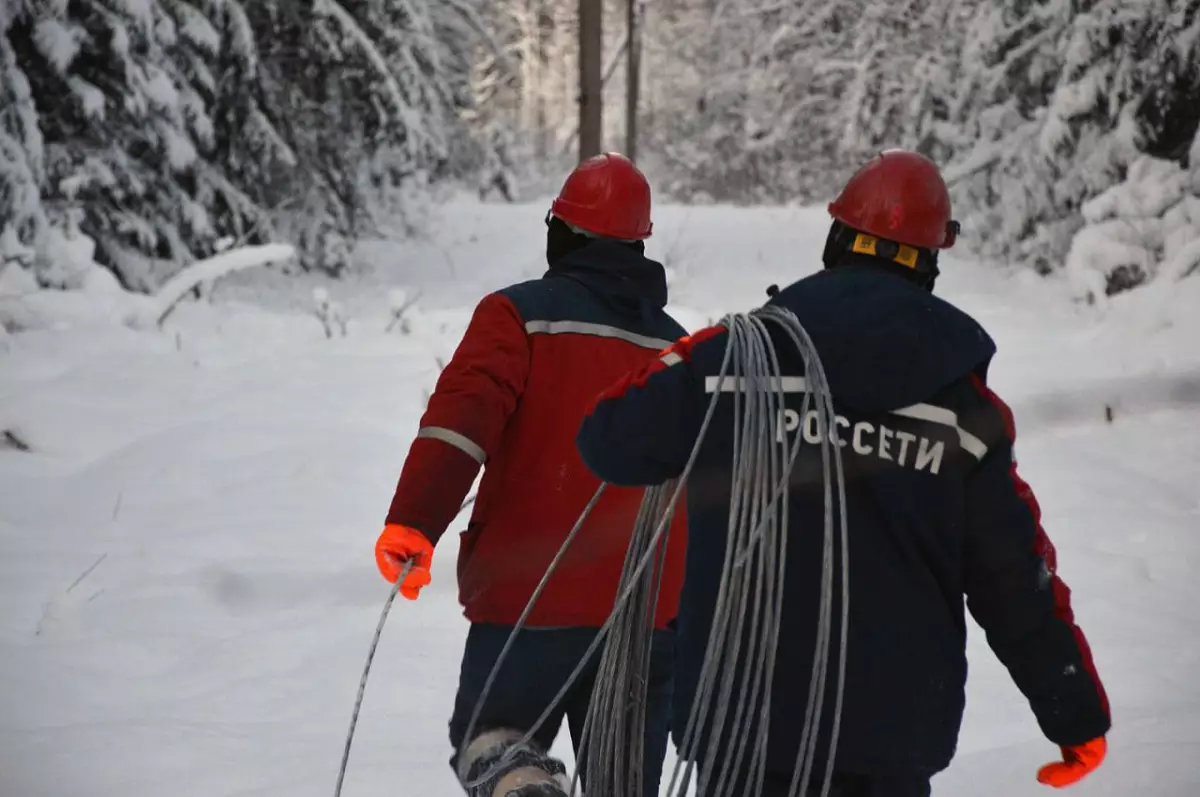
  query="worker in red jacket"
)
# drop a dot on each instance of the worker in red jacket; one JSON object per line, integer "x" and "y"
{"x": 511, "y": 400}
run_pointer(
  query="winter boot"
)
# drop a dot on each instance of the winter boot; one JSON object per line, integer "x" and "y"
{"x": 511, "y": 769}
{"x": 554, "y": 789}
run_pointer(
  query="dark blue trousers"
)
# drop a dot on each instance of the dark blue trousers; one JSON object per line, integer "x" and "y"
{"x": 534, "y": 671}
{"x": 846, "y": 784}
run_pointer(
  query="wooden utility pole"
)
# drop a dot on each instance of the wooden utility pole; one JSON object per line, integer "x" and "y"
{"x": 545, "y": 23}
{"x": 633, "y": 76}
{"x": 591, "y": 42}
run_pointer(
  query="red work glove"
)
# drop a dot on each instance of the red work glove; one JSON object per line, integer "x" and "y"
{"x": 1078, "y": 762}
{"x": 396, "y": 546}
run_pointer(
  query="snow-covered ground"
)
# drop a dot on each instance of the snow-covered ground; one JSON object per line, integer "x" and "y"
{"x": 187, "y": 586}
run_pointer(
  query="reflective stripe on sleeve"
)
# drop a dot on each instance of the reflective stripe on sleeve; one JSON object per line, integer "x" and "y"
{"x": 459, "y": 441}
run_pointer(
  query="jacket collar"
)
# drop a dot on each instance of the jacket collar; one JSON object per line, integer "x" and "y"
{"x": 616, "y": 272}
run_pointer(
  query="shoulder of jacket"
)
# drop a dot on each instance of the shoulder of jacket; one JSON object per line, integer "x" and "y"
{"x": 967, "y": 321}
{"x": 671, "y": 328}
{"x": 497, "y": 309}
{"x": 960, "y": 341}
{"x": 981, "y": 412}
{"x": 534, "y": 299}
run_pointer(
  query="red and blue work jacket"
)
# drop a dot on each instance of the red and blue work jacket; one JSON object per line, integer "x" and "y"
{"x": 511, "y": 400}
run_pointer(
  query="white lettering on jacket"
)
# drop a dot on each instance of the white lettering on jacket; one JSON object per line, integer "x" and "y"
{"x": 868, "y": 439}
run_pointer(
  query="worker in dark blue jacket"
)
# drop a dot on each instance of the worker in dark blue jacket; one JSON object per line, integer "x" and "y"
{"x": 936, "y": 509}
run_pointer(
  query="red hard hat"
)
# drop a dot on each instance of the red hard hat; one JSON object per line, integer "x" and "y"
{"x": 607, "y": 196}
{"x": 899, "y": 196}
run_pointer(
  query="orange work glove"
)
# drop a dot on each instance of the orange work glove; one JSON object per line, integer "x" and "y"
{"x": 396, "y": 546}
{"x": 1078, "y": 762}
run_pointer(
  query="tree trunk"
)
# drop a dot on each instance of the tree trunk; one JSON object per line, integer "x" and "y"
{"x": 591, "y": 38}
{"x": 545, "y": 25}
{"x": 633, "y": 75}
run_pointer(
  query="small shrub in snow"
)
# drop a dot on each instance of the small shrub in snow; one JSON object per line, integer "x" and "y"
{"x": 98, "y": 281}
{"x": 10, "y": 439}
{"x": 16, "y": 281}
{"x": 328, "y": 312}
{"x": 399, "y": 303}
{"x": 66, "y": 253}
{"x": 12, "y": 250}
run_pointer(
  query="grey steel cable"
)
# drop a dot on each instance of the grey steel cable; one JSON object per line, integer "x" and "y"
{"x": 755, "y": 427}
{"x": 829, "y": 444}
{"x": 760, "y": 533}
{"x": 613, "y": 737}
{"x": 748, "y": 611}
{"x": 362, "y": 684}
{"x": 726, "y": 634}
{"x": 766, "y": 469}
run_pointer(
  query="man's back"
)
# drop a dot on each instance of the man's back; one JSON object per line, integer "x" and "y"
{"x": 930, "y": 518}
{"x": 586, "y": 327}
{"x": 883, "y": 343}
{"x": 513, "y": 395}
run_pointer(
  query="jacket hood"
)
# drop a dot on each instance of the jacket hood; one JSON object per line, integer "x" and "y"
{"x": 885, "y": 342}
{"x": 627, "y": 280}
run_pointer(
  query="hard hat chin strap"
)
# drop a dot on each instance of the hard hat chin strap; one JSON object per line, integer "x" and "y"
{"x": 905, "y": 255}
{"x": 918, "y": 264}
{"x": 922, "y": 262}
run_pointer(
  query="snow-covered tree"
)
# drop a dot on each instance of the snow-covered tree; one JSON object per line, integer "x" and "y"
{"x": 745, "y": 102}
{"x": 115, "y": 86}
{"x": 523, "y": 88}
{"x": 367, "y": 97}
{"x": 22, "y": 157}
{"x": 906, "y": 69}
{"x": 1148, "y": 224}
{"x": 251, "y": 164}
{"x": 173, "y": 123}
{"x": 1060, "y": 102}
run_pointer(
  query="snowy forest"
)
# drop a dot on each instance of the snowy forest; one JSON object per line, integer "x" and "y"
{"x": 302, "y": 312}
{"x": 165, "y": 129}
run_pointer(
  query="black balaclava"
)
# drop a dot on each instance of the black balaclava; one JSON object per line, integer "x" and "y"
{"x": 561, "y": 240}
{"x": 841, "y": 238}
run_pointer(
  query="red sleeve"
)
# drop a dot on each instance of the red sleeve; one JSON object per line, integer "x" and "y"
{"x": 465, "y": 420}
{"x": 641, "y": 430}
{"x": 1015, "y": 591}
